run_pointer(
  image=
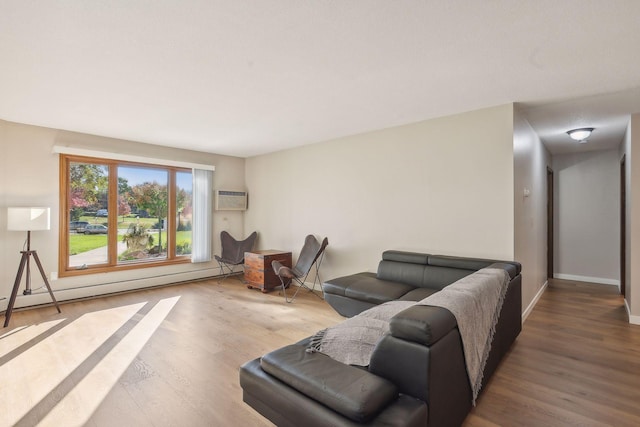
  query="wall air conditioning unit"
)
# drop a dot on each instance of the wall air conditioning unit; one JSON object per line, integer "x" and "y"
{"x": 231, "y": 200}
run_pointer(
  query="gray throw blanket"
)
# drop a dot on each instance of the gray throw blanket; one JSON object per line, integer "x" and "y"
{"x": 474, "y": 300}
{"x": 353, "y": 340}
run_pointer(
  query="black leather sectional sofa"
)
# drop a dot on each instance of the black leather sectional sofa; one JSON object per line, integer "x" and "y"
{"x": 417, "y": 374}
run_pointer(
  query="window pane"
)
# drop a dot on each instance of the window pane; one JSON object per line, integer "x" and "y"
{"x": 184, "y": 193}
{"x": 142, "y": 213}
{"x": 124, "y": 215}
{"x": 88, "y": 212}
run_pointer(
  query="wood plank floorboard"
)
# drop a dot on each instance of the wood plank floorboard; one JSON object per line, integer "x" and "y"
{"x": 576, "y": 361}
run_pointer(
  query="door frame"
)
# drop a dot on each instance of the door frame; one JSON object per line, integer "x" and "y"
{"x": 623, "y": 226}
{"x": 550, "y": 223}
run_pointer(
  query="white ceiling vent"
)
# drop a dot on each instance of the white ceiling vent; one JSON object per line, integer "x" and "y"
{"x": 231, "y": 200}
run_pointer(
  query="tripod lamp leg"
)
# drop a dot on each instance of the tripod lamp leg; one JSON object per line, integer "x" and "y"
{"x": 14, "y": 292}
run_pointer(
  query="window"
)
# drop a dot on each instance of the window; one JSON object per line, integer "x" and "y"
{"x": 120, "y": 215}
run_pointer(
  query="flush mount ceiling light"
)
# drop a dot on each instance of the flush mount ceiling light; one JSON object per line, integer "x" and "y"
{"x": 581, "y": 134}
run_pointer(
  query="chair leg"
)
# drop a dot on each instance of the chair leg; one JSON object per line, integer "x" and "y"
{"x": 221, "y": 272}
{"x": 302, "y": 282}
{"x": 300, "y": 285}
{"x": 224, "y": 275}
{"x": 319, "y": 280}
{"x": 312, "y": 289}
{"x": 284, "y": 289}
{"x": 318, "y": 263}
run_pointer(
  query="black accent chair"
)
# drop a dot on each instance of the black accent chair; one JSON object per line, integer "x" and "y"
{"x": 233, "y": 252}
{"x": 311, "y": 254}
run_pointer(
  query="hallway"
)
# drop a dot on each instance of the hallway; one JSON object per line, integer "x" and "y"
{"x": 575, "y": 363}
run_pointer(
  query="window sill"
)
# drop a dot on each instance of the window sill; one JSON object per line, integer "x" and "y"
{"x": 123, "y": 267}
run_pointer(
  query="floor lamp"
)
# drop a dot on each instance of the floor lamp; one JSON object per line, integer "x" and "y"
{"x": 27, "y": 219}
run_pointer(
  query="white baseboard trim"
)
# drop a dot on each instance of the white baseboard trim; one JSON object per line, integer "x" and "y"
{"x": 529, "y": 309}
{"x": 598, "y": 280}
{"x": 41, "y": 297}
{"x": 634, "y": 320}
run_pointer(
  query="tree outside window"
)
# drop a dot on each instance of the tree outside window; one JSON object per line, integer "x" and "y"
{"x": 138, "y": 229}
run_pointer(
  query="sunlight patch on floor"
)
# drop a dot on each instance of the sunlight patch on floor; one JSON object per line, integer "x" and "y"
{"x": 23, "y": 334}
{"x": 79, "y": 404}
{"x": 31, "y": 376}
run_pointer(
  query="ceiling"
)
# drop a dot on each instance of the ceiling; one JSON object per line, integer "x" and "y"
{"x": 245, "y": 78}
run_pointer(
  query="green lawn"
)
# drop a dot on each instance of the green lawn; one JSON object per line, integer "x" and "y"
{"x": 79, "y": 243}
{"x": 182, "y": 237}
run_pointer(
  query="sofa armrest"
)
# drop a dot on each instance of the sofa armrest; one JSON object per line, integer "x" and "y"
{"x": 512, "y": 268}
{"x": 353, "y": 392}
{"x": 423, "y": 324}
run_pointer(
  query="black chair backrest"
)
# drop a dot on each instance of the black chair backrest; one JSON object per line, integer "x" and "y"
{"x": 310, "y": 252}
{"x": 233, "y": 250}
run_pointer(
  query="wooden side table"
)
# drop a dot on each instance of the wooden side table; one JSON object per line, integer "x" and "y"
{"x": 258, "y": 272}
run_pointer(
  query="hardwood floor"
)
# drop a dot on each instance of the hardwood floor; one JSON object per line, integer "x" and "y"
{"x": 576, "y": 362}
{"x": 170, "y": 357}
{"x": 162, "y": 357}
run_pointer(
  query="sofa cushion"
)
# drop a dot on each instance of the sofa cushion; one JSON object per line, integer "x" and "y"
{"x": 287, "y": 407}
{"x": 401, "y": 256}
{"x": 459, "y": 262}
{"x": 423, "y": 324}
{"x": 339, "y": 285}
{"x": 376, "y": 291}
{"x": 418, "y": 294}
{"x": 401, "y": 272}
{"x": 513, "y": 267}
{"x": 366, "y": 287}
{"x": 439, "y": 277}
{"x": 345, "y": 306}
{"x": 355, "y": 393}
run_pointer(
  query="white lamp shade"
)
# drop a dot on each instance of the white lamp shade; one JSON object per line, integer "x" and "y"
{"x": 28, "y": 219}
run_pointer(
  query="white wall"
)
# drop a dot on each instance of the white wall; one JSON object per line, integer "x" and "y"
{"x": 530, "y": 162}
{"x": 29, "y": 175}
{"x": 587, "y": 216}
{"x": 631, "y": 149}
{"x": 439, "y": 186}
